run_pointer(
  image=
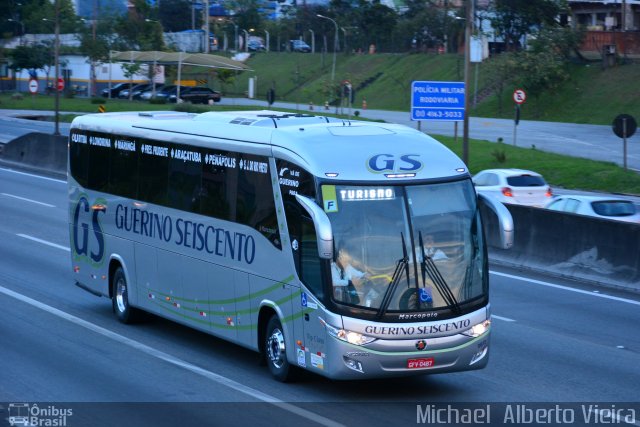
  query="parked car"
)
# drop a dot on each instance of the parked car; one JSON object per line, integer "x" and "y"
{"x": 124, "y": 94}
{"x": 196, "y": 95}
{"x": 137, "y": 93}
{"x": 597, "y": 206}
{"x": 255, "y": 46}
{"x": 514, "y": 186}
{"x": 299, "y": 46}
{"x": 115, "y": 90}
{"x": 164, "y": 92}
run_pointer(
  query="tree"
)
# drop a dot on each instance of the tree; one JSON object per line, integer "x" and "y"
{"x": 176, "y": 15}
{"x": 138, "y": 29}
{"x": 31, "y": 57}
{"x": 514, "y": 19}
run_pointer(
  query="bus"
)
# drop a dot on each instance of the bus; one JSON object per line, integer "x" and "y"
{"x": 305, "y": 238}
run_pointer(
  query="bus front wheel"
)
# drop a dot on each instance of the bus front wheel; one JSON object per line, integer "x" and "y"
{"x": 124, "y": 312}
{"x": 276, "y": 351}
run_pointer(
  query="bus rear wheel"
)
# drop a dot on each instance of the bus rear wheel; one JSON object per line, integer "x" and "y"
{"x": 120, "y": 300}
{"x": 276, "y": 351}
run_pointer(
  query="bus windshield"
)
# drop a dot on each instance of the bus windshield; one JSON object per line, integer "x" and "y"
{"x": 405, "y": 248}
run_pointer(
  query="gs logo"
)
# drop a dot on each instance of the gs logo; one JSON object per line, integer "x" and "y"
{"x": 388, "y": 163}
{"x": 87, "y": 238}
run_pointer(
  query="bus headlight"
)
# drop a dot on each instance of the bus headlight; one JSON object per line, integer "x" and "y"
{"x": 477, "y": 330}
{"x": 349, "y": 336}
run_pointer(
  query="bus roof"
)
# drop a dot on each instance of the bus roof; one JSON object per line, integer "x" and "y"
{"x": 327, "y": 147}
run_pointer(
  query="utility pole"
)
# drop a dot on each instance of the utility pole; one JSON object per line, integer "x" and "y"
{"x": 56, "y": 60}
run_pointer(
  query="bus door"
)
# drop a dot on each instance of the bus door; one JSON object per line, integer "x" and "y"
{"x": 308, "y": 266}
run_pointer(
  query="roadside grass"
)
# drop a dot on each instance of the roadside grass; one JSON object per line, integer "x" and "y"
{"x": 558, "y": 170}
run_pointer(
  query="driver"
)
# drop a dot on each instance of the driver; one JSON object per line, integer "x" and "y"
{"x": 347, "y": 279}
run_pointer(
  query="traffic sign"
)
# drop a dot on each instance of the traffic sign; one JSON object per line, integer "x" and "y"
{"x": 33, "y": 86}
{"x": 60, "y": 84}
{"x": 432, "y": 100}
{"x": 519, "y": 96}
{"x": 624, "y": 126}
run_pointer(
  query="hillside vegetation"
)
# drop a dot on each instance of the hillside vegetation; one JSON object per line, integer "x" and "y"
{"x": 592, "y": 95}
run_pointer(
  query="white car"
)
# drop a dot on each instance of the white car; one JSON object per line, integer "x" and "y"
{"x": 514, "y": 186}
{"x": 598, "y": 206}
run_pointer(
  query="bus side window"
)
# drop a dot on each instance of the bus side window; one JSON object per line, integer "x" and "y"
{"x": 219, "y": 185}
{"x": 79, "y": 158}
{"x": 153, "y": 179}
{"x": 123, "y": 179}
{"x": 185, "y": 181}
{"x": 255, "y": 205}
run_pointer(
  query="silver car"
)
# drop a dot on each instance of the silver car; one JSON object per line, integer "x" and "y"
{"x": 514, "y": 186}
{"x": 597, "y": 206}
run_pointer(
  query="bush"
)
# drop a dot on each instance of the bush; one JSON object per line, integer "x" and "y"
{"x": 156, "y": 100}
{"x": 17, "y": 97}
{"x": 98, "y": 100}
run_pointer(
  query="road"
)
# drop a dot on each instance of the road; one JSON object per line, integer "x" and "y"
{"x": 552, "y": 342}
{"x": 594, "y": 142}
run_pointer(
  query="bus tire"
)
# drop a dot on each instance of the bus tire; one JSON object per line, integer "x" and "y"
{"x": 275, "y": 351}
{"x": 120, "y": 300}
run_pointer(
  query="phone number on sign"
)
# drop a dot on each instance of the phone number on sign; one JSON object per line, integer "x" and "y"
{"x": 439, "y": 114}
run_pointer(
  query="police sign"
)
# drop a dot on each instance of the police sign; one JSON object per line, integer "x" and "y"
{"x": 432, "y": 100}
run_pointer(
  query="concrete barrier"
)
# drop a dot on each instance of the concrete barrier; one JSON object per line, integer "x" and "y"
{"x": 39, "y": 151}
{"x": 601, "y": 251}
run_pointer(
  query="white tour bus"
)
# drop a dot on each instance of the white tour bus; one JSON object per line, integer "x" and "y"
{"x": 350, "y": 249}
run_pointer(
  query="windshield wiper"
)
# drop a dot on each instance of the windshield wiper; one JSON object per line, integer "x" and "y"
{"x": 403, "y": 263}
{"x": 428, "y": 267}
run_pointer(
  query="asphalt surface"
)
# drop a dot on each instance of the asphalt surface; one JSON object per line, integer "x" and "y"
{"x": 553, "y": 342}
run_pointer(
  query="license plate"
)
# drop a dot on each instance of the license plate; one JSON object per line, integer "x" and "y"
{"x": 420, "y": 363}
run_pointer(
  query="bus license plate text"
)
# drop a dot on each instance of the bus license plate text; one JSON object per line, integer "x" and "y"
{"x": 420, "y": 363}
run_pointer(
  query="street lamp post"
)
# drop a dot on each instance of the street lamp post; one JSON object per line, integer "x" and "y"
{"x": 236, "y": 38}
{"x": 56, "y": 62}
{"x": 467, "y": 72}
{"x": 267, "y": 33}
{"x": 335, "y": 45}
{"x": 313, "y": 41}
{"x": 246, "y": 40}
{"x": 21, "y": 26}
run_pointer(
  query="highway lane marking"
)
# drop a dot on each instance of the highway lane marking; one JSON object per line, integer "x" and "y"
{"x": 33, "y": 176}
{"x": 256, "y": 394}
{"x": 44, "y": 242}
{"x": 28, "y": 200}
{"x": 567, "y": 288}
{"x": 504, "y": 319}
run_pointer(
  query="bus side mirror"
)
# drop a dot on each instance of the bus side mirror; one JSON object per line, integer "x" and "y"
{"x": 505, "y": 220}
{"x": 322, "y": 225}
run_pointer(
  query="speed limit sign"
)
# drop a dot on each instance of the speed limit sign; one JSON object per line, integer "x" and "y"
{"x": 519, "y": 96}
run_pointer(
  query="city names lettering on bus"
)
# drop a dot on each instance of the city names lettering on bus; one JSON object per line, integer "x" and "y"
{"x": 186, "y": 155}
{"x": 100, "y": 141}
{"x": 121, "y": 144}
{"x": 254, "y": 166}
{"x": 154, "y": 150}
{"x": 220, "y": 160}
{"x": 79, "y": 138}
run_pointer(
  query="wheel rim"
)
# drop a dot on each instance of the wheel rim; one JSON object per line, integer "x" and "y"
{"x": 276, "y": 349}
{"x": 121, "y": 290}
